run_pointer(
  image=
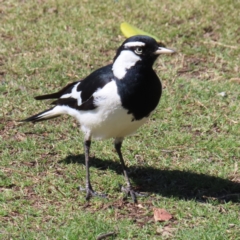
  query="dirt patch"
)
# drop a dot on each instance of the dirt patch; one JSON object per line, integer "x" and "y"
{"x": 140, "y": 214}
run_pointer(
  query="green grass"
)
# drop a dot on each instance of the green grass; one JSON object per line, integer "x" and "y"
{"x": 186, "y": 157}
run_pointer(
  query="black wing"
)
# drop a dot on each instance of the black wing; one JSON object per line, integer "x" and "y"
{"x": 65, "y": 90}
{"x": 86, "y": 88}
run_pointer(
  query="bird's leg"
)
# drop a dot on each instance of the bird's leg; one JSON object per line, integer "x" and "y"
{"x": 89, "y": 190}
{"x": 128, "y": 189}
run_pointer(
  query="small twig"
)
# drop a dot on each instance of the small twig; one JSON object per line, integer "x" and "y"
{"x": 222, "y": 197}
{"x": 232, "y": 121}
{"x": 167, "y": 151}
{"x": 174, "y": 79}
{"x": 237, "y": 80}
{"x": 105, "y": 235}
{"x": 200, "y": 104}
{"x": 58, "y": 190}
{"x": 17, "y": 171}
{"x": 183, "y": 58}
{"x": 221, "y": 44}
{"x": 184, "y": 70}
{"x": 218, "y": 78}
{"x": 229, "y": 195}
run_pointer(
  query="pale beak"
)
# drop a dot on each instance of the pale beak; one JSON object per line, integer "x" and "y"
{"x": 164, "y": 50}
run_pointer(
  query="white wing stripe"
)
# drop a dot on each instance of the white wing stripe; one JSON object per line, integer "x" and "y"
{"x": 74, "y": 94}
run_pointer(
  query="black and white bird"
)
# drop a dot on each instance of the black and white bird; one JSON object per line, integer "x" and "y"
{"x": 113, "y": 101}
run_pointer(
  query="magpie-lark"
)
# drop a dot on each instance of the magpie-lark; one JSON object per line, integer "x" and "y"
{"x": 113, "y": 101}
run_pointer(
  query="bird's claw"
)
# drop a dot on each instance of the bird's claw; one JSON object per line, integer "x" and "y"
{"x": 129, "y": 191}
{"x": 91, "y": 193}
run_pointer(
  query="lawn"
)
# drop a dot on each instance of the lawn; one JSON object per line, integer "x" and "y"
{"x": 186, "y": 158}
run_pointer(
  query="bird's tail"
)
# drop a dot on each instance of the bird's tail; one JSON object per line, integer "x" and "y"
{"x": 45, "y": 115}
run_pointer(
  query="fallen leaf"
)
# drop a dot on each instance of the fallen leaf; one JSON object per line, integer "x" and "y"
{"x": 130, "y": 30}
{"x": 161, "y": 215}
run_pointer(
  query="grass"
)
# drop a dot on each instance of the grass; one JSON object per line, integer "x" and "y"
{"x": 187, "y": 155}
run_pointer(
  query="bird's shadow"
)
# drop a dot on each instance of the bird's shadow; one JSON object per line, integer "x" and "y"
{"x": 170, "y": 183}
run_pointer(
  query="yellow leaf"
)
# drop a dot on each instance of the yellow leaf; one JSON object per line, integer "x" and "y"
{"x": 129, "y": 31}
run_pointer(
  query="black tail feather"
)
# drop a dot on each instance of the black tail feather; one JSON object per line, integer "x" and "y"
{"x": 38, "y": 117}
{"x": 48, "y": 96}
{"x": 57, "y": 94}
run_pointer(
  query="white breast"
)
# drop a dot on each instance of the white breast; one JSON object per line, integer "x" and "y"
{"x": 109, "y": 119}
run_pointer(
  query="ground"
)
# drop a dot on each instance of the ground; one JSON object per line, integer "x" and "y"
{"x": 186, "y": 158}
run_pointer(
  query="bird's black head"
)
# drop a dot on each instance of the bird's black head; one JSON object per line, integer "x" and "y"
{"x": 134, "y": 49}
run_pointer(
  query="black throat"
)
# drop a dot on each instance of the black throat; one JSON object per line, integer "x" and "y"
{"x": 140, "y": 90}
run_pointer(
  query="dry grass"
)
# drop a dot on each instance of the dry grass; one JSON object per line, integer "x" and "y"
{"x": 186, "y": 157}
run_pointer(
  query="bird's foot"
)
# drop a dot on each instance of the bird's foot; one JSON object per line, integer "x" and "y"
{"x": 129, "y": 191}
{"x": 91, "y": 193}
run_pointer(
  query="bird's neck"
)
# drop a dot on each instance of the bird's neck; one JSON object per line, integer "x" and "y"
{"x": 124, "y": 61}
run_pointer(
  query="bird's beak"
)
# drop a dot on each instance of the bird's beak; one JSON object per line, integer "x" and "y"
{"x": 163, "y": 50}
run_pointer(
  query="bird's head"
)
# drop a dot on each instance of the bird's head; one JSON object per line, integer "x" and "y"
{"x": 135, "y": 49}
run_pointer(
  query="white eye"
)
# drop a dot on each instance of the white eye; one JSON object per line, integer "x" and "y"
{"x": 138, "y": 50}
